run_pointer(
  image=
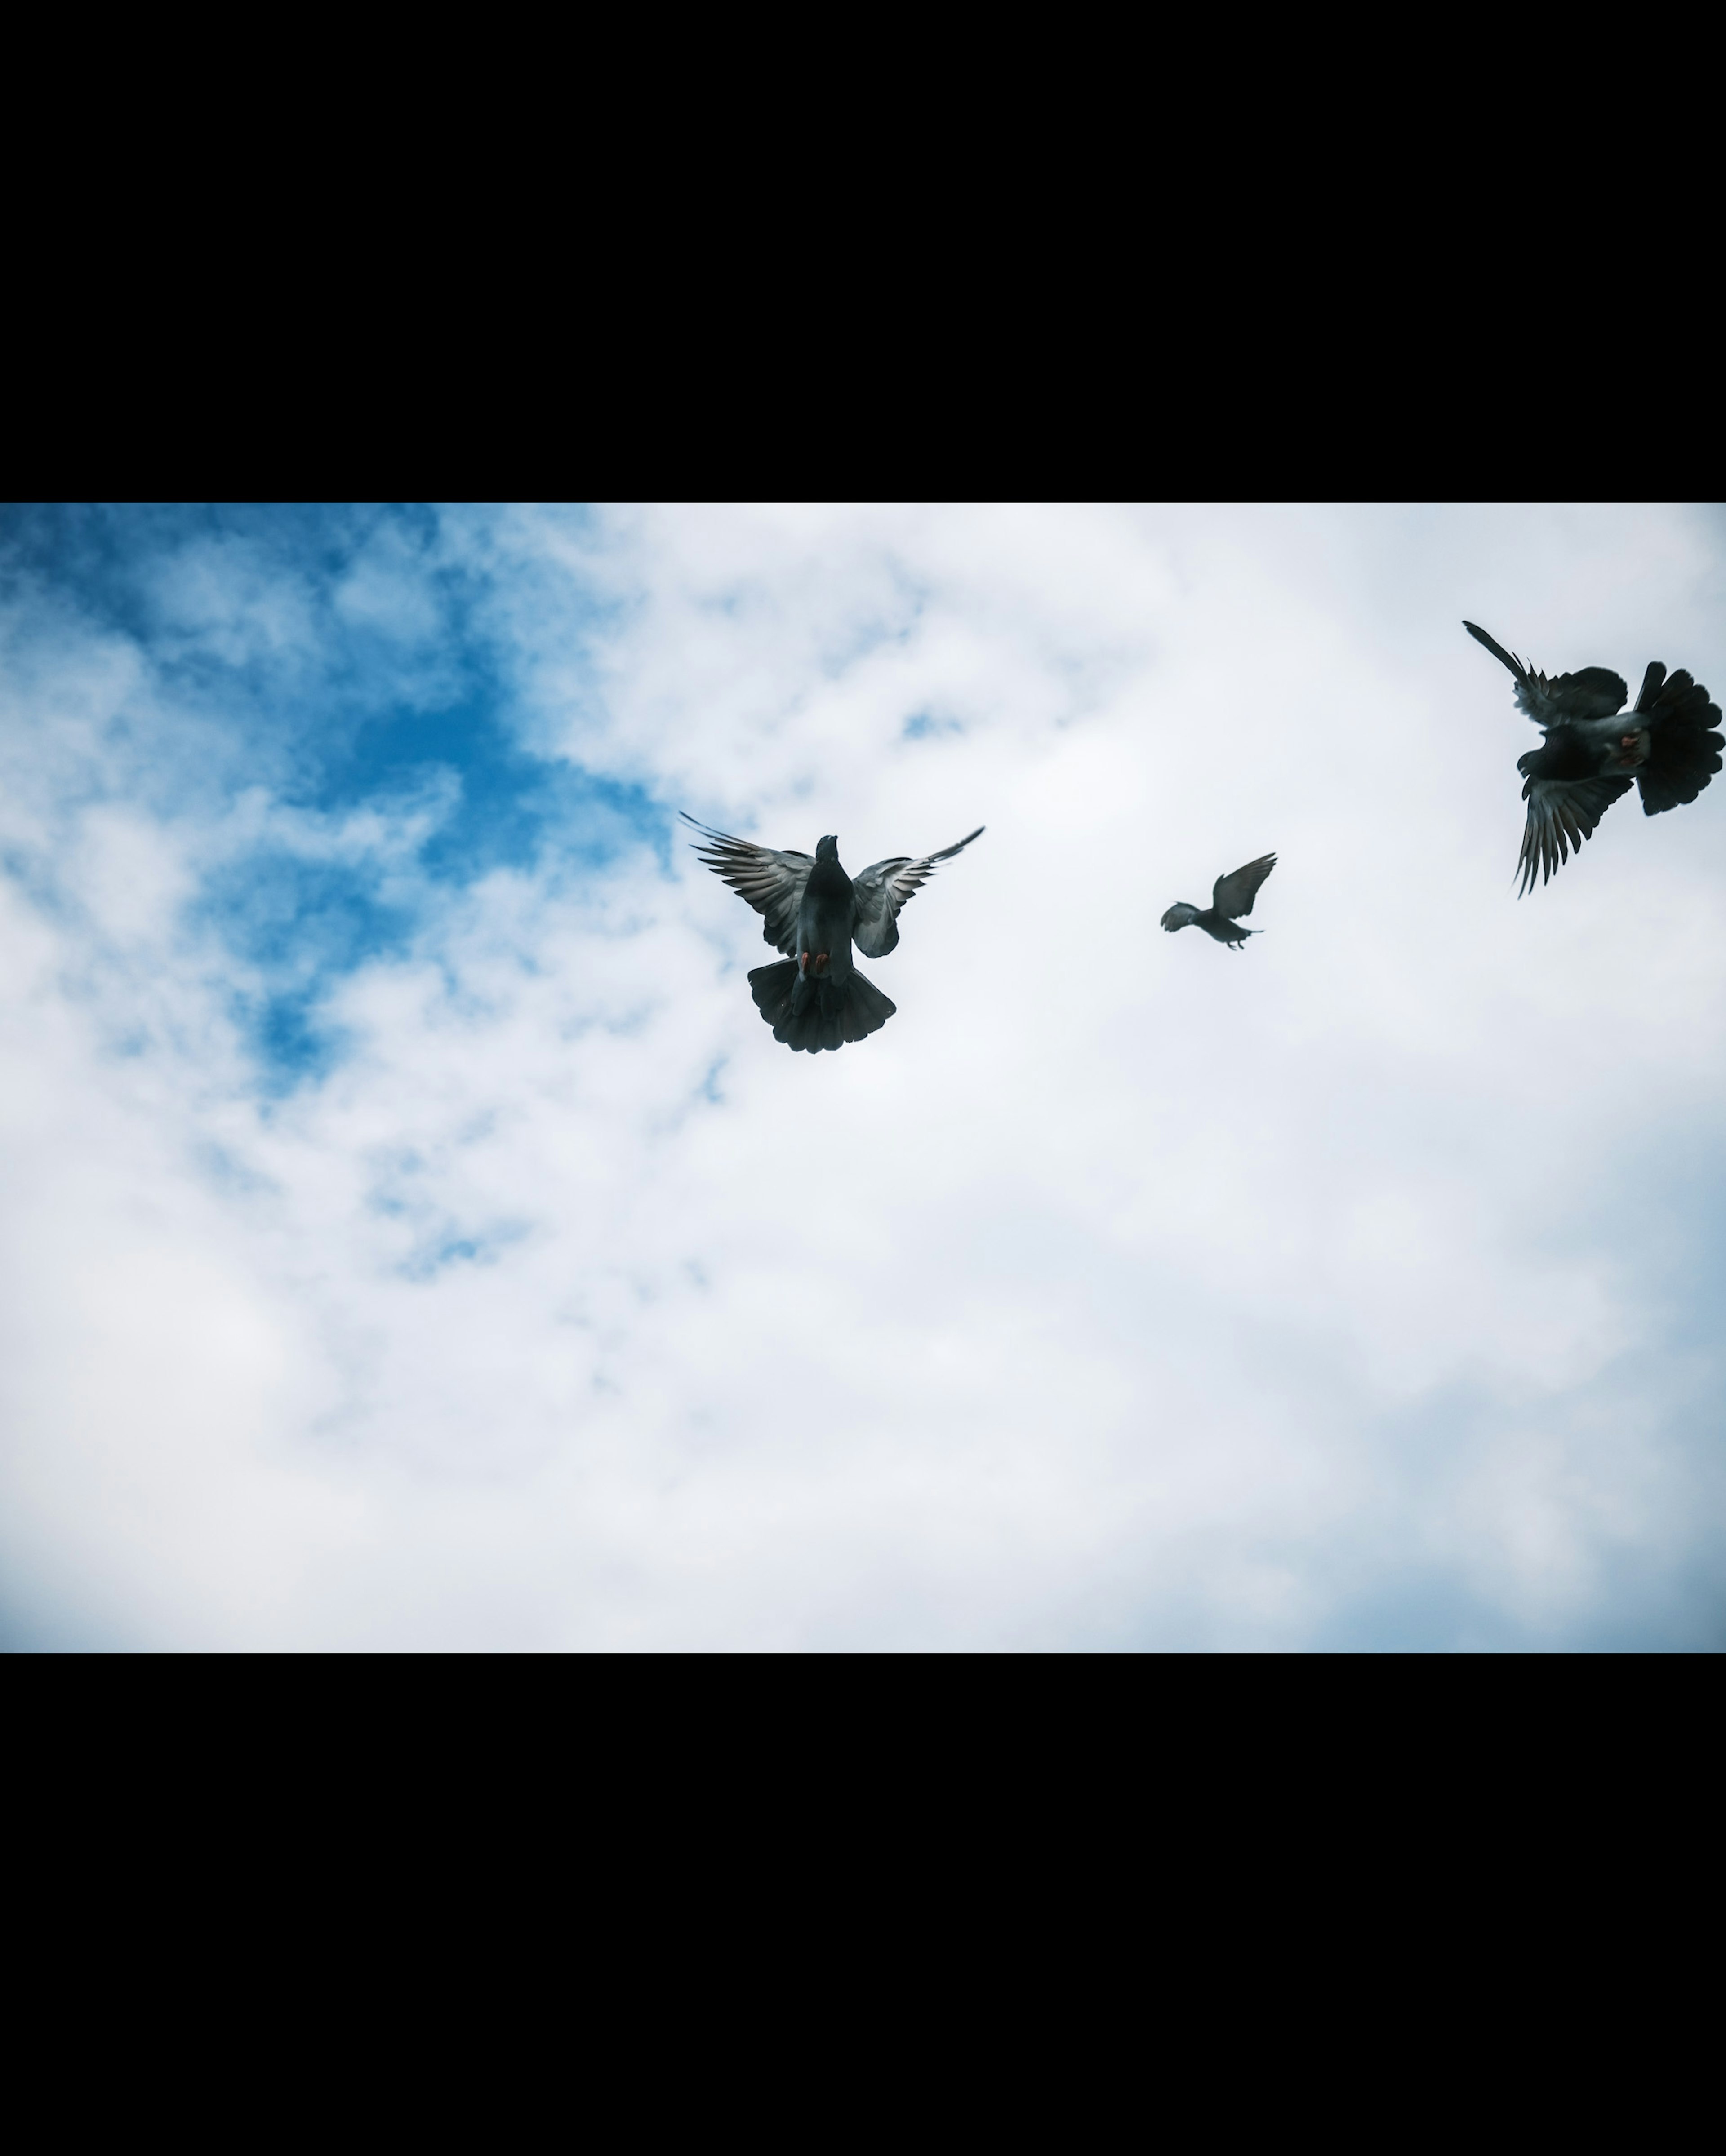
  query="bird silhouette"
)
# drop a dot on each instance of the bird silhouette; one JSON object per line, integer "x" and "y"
{"x": 1230, "y": 894}
{"x": 1589, "y": 754}
{"x": 815, "y": 912}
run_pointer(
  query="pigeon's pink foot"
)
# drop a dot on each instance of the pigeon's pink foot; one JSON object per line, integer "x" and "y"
{"x": 822, "y": 961}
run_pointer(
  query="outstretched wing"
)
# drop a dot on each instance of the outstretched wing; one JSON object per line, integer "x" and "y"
{"x": 1232, "y": 895}
{"x": 1683, "y": 751}
{"x": 1592, "y": 692}
{"x": 883, "y": 887}
{"x": 1562, "y": 812}
{"x": 771, "y": 882}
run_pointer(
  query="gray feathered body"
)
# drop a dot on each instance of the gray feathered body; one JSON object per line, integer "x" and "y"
{"x": 814, "y": 911}
{"x": 1230, "y": 894}
{"x": 828, "y": 916}
{"x": 819, "y": 999}
{"x": 1592, "y": 750}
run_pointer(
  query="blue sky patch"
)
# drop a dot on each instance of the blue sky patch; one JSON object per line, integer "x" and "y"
{"x": 921, "y": 726}
{"x": 339, "y": 659}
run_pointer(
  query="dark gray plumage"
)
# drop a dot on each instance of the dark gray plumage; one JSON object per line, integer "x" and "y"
{"x": 1230, "y": 894}
{"x": 814, "y": 911}
{"x": 1589, "y": 754}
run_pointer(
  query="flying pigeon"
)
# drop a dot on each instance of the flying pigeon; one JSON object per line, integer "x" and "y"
{"x": 1589, "y": 753}
{"x": 815, "y": 912}
{"x": 1230, "y": 894}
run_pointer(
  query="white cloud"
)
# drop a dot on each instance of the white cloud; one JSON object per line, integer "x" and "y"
{"x": 1122, "y": 1291}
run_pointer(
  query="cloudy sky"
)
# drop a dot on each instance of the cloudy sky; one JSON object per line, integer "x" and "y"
{"x": 410, "y": 1235}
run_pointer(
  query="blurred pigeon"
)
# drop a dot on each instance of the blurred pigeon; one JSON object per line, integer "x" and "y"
{"x": 815, "y": 912}
{"x": 1589, "y": 754}
{"x": 1230, "y": 894}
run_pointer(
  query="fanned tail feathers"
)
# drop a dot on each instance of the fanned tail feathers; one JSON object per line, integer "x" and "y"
{"x": 1683, "y": 749}
{"x": 831, "y": 1015}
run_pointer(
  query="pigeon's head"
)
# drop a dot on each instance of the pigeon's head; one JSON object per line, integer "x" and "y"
{"x": 827, "y": 849}
{"x": 1179, "y": 915}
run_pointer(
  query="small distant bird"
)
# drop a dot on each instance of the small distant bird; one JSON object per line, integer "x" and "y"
{"x": 815, "y": 912}
{"x": 1590, "y": 754}
{"x": 1230, "y": 894}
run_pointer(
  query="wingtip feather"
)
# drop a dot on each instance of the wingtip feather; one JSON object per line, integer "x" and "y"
{"x": 1498, "y": 650}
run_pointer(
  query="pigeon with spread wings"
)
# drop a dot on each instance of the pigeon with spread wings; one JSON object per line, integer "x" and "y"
{"x": 814, "y": 912}
{"x": 1589, "y": 754}
{"x": 1229, "y": 895}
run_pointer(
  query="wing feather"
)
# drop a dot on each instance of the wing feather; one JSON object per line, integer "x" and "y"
{"x": 1592, "y": 692}
{"x": 884, "y": 886}
{"x": 1562, "y": 812}
{"x": 771, "y": 881}
{"x": 1232, "y": 895}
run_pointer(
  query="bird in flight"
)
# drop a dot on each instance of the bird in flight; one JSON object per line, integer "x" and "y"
{"x": 815, "y": 912}
{"x": 1590, "y": 754}
{"x": 1229, "y": 895}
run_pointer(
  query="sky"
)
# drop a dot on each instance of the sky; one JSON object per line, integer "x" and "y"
{"x": 411, "y": 1237}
